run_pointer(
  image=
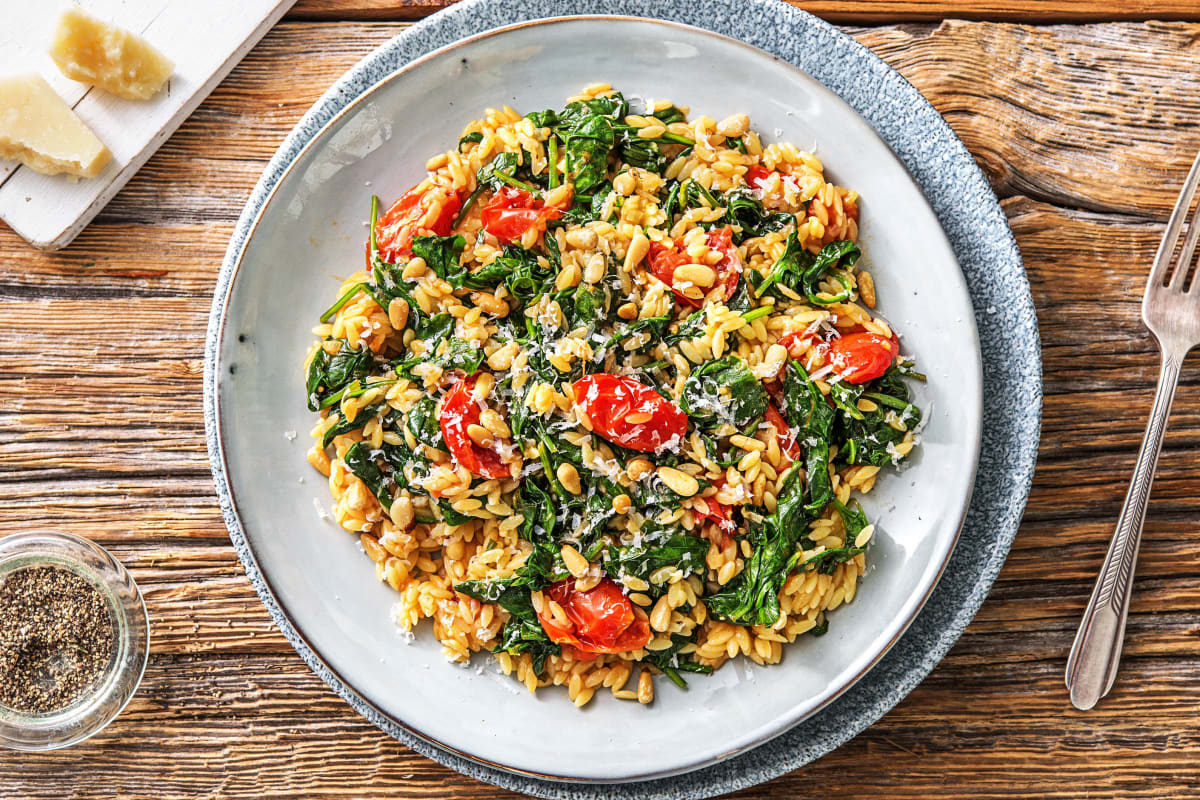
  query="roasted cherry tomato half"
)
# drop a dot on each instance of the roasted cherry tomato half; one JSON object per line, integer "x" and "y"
{"x": 729, "y": 268}
{"x": 662, "y": 260}
{"x": 797, "y": 338}
{"x": 665, "y": 256}
{"x": 862, "y": 357}
{"x": 758, "y": 175}
{"x": 600, "y": 620}
{"x": 629, "y": 413}
{"x": 787, "y": 443}
{"x": 510, "y": 212}
{"x": 707, "y": 508}
{"x": 459, "y": 411}
{"x": 415, "y": 214}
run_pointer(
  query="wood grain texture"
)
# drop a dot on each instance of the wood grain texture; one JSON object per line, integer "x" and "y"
{"x": 839, "y": 11}
{"x": 1085, "y": 131}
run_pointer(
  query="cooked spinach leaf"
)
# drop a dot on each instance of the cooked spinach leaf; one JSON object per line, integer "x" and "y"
{"x": 752, "y": 597}
{"x": 345, "y": 426}
{"x": 525, "y": 277}
{"x": 804, "y": 407}
{"x": 442, "y": 254}
{"x": 450, "y": 515}
{"x": 363, "y": 465}
{"x": 434, "y": 329}
{"x": 585, "y": 128}
{"x": 868, "y": 437}
{"x": 522, "y": 632}
{"x": 470, "y": 138}
{"x": 346, "y": 297}
{"x": 723, "y": 391}
{"x": 643, "y": 154}
{"x": 745, "y": 211}
{"x": 329, "y": 374}
{"x": 653, "y": 326}
{"x": 672, "y": 663}
{"x": 536, "y": 506}
{"x": 589, "y": 305}
{"x": 424, "y": 425}
{"x": 669, "y": 115}
{"x": 801, "y": 272}
{"x": 451, "y": 353}
{"x": 680, "y": 550}
{"x": 405, "y": 463}
{"x": 510, "y": 168}
{"x": 690, "y": 328}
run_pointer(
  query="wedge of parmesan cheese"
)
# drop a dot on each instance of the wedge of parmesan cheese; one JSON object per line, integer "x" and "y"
{"x": 90, "y": 50}
{"x": 41, "y": 131}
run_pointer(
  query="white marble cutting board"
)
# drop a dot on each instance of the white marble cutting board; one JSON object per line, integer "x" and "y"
{"x": 205, "y": 39}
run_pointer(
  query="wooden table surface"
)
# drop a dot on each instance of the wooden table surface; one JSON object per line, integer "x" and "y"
{"x": 1084, "y": 124}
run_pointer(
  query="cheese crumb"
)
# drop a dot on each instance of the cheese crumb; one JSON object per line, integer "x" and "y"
{"x": 90, "y": 50}
{"x": 41, "y": 131}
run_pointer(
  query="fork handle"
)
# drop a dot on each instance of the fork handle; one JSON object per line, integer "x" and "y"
{"x": 1092, "y": 665}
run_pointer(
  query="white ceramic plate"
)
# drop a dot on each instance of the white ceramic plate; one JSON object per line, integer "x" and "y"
{"x": 310, "y": 232}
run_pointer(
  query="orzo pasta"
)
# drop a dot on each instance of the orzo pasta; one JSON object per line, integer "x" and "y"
{"x": 601, "y": 397}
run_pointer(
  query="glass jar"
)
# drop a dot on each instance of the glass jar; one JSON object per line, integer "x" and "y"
{"x": 111, "y": 691}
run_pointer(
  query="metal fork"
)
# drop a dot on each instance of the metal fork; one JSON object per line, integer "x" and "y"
{"x": 1171, "y": 310}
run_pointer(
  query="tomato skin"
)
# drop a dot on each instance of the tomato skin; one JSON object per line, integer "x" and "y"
{"x": 787, "y": 444}
{"x": 713, "y": 511}
{"x": 610, "y": 400}
{"x": 510, "y": 212}
{"x": 862, "y": 357}
{"x": 394, "y": 231}
{"x": 756, "y": 176}
{"x": 459, "y": 411}
{"x": 665, "y": 256}
{"x": 662, "y": 260}
{"x": 797, "y": 339}
{"x": 729, "y": 268}
{"x": 707, "y": 508}
{"x": 601, "y": 619}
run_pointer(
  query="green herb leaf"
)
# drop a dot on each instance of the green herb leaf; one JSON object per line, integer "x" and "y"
{"x": 745, "y": 211}
{"x": 470, "y": 138}
{"x": 424, "y": 425}
{"x": 363, "y": 416}
{"x": 442, "y": 254}
{"x": 328, "y": 374}
{"x": 723, "y": 391}
{"x": 367, "y": 471}
{"x": 681, "y": 550}
{"x": 801, "y": 272}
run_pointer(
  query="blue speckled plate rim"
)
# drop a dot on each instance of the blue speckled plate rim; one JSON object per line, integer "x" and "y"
{"x": 986, "y": 250}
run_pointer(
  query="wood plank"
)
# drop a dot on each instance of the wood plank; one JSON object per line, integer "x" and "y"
{"x": 1097, "y": 117}
{"x": 862, "y": 12}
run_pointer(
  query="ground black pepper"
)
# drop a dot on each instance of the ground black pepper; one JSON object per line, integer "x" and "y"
{"x": 56, "y": 638}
